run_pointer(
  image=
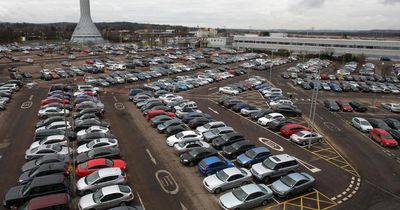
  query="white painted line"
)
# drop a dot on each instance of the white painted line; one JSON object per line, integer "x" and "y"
{"x": 167, "y": 181}
{"x": 31, "y": 97}
{"x": 345, "y": 199}
{"x": 334, "y": 198}
{"x": 275, "y": 200}
{"x": 271, "y": 144}
{"x": 350, "y": 195}
{"x": 350, "y": 186}
{"x": 308, "y": 166}
{"x": 183, "y": 206}
{"x": 352, "y": 178}
{"x": 212, "y": 88}
{"x": 115, "y": 99}
{"x": 347, "y": 189}
{"x": 340, "y": 195}
{"x": 213, "y": 110}
{"x": 356, "y": 188}
{"x": 339, "y": 202}
{"x": 140, "y": 200}
{"x": 344, "y": 193}
{"x": 151, "y": 157}
{"x": 354, "y": 192}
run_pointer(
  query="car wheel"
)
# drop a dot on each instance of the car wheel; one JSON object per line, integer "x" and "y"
{"x": 122, "y": 204}
{"x": 264, "y": 203}
{"x": 191, "y": 164}
{"x": 218, "y": 190}
{"x": 265, "y": 179}
{"x": 303, "y": 143}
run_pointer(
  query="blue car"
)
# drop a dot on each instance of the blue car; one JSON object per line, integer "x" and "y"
{"x": 134, "y": 92}
{"x": 239, "y": 107}
{"x": 213, "y": 164}
{"x": 335, "y": 87}
{"x": 180, "y": 86}
{"x": 253, "y": 156}
{"x": 262, "y": 86}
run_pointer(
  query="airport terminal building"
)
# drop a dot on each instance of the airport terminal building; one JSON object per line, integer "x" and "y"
{"x": 370, "y": 48}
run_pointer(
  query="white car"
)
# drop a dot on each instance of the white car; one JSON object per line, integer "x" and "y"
{"x": 228, "y": 90}
{"x": 102, "y": 142}
{"x": 268, "y": 93}
{"x": 183, "y": 136}
{"x": 227, "y": 179}
{"x": 55, "y": 139}
{"x": 304, "y": 137}
{"x": 101, "y": 178}
{"x": 269, "y": 118}
{"x": 168, "y": 98}
{"x": 52, "y": 111}
{"x": 393, "y": 107}
{"x": 281, "y": 102}
{"x": 188, "y": 146}
{"x": 93, "y": 129}
{"x": 55, "y": 125}
{"x": 106, "y": 197}
{"x": 209, "y": 126}
{"x": 361, "y": 124}
{"x": 248, "y": 110}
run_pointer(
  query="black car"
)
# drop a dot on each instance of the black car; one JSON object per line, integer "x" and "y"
{"x": 261, "y": 113}
{"x": 287, "y": 110}
{"x": 393, "y": 123}
{"x": 172, "y": 130}
{"x": 276, "y": 125}
{"x": 49, "y": 120}
{"x": 222, "y": 100}
{"x": 231, "y": 102}
{"x": 159, "y": 120}
{"x": 359, "y": 107}
{"x": 96, "y": 111}
{"x": 150, "y": 105}
{"x": 198, "y": 121}
{"x": 378, "y": 123}
{"x": 395, "y": 134}
{"x": 194, "y": 156}
{"x": 43, "y": 170}
{"x": 40, "y": 186}
{"x": 237, "y": 148}
{"x": 52, "y": 158}
{"x": 84, "y": 124}
{"x": 41, "y": 134}
{"x": 191, "y": 115}
{"x": 226, "y": 139}
{"x": 86, "y": 116}
{"x": 162, "y": 127}
{"x": 331, "y": 105}
{"x": 101, "y": 152}
{"x": 91, "y": 136}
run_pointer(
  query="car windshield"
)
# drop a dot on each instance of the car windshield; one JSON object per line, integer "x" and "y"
{"x": 207, "y": 126}
{"x": 386, "y": 136}
{"x": 366, "y": 123}
{"x": 194, "y": 152}
{"x": 215, "y": 131}
{"x": 91, "y": 144}
{"x": 269, "y": 163}
{"x": 92, "y": 177}
{"x": 251, "y": 154}
{"x": 26, "y": 188}
{"x": 288, "y": 181}
{"x": 97, "y": 196}
{"x": 179, "y": 135}
{"x": 221, "y": 175}
{"x": 239, "y": 194}
{"x": 301, "y": 134}
{"x": 84, "y": 165}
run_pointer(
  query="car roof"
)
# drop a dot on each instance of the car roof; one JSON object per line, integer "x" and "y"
{"x": 297, "y": 176}
{"x": 251, "y": 188}
{"x": 109, "y": 172}
{"x": 111, "y": 189}
{"x": 281, "y": 158}
{"x": 48, "y": 200}
{"x": 48, "y": 180}
{"x": 212, "y": 159}
{"x": 232, "y": 171}
{"x": 260, "y": 149}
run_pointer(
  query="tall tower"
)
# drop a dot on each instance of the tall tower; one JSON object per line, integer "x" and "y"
{"x": 86, "y": 32}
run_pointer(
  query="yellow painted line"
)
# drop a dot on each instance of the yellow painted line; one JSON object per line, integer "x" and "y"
{"x": 321, "y": 150}
{"x": 301, "y": 206}
{"x": 333, "y": 158}
{"x": 319, "y": 207}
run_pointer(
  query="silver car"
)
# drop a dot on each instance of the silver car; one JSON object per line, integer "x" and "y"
{"x": 292, "y": 184}
{"x": 106, "y": 197}
{"x": 102, "y": 142}
{"x": 274, "y": 166}
{"x": 43, "y": 150}
{"x": 226, "y": 179}
{"x": 246, "y": 197}
{"x": 101, "y": 178}
{"x": 183, "y": 147}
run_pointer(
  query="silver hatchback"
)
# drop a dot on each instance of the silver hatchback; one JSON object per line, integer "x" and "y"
{"x": 101, "y": 178}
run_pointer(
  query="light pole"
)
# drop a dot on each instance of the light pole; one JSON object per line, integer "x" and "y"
{"x": 270, "y": 69}
{"x": 313, "y": 108}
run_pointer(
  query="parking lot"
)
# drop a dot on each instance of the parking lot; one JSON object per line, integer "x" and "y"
{"x": 351, "y": 170}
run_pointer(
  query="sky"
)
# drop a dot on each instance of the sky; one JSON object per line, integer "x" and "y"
{"x": 245, "y": 14}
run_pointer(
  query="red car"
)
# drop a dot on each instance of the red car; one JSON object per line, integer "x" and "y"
{"x": 233, "y": 72}
{"x": 91, "y": 166}
{"x": 344, "y": 106}
{"x": 54, "y": 75}
{"x": 53, "y": 100}
{"x": 154, "y": 113}
{"x": 290, "y": 129}
{"x": 89, "y": 61}
{"x": 383, "y": 137}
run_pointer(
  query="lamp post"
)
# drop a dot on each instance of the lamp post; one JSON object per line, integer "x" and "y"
{"x": 313, "y": 108}
{"x": 270, "y": 69}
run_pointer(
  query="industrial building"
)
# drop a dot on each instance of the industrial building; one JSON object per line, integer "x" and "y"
{"x": 371, "y": 48}
{"x": 220, "y": 42}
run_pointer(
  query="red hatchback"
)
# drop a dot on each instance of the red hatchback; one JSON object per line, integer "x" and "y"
{"x": 53, "y": 100}
{"x": 154, "y": 113}
{"x": 344, "y": 106}
{"x": 54, "y": 75}
{"x": 383, "y": 137}
{"x": 91, "y": 166}
{"x": 292, "y": 128}
{"x": 89, "y": 61}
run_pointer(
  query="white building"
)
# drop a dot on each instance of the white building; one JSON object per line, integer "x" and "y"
{"x": 372, "y": 48}
{"x": 206, "y": 32}
{"x": 220, "y": 42}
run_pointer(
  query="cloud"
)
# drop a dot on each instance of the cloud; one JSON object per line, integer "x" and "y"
{"x": 311, "y": 3}
{"x": 390, "y": 2}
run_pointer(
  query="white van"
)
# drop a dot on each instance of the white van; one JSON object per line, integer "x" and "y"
{"x": 189, "y": 104}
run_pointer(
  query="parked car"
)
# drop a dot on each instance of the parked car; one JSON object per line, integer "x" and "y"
{"x": 331, "y": 105}
{"x": 236, "y": 149}
{"x": 393, "y": 107}
{"x": 246, "y": 197}
{"x": 227, "y": 179}
{"x": 344, "y": 106}
{"x": 253, "y": 156}
{"x": 378, "y": 123}
{"x": 53, "y": 158}
{"x": 274, "y": 166}
{"x": 359, "y": 107}
{"x": 43, "y": 150}
{"x": 194, "y": 156}
{"x": 270, "y": 117}
{"x": 212, "y": 164}
{"x": 183, "y": 147}
{"x": 292, "y": 184}
{"x": 361, "y": 124}
{"x": 93, "y": 165}
{"x": 60, "y": 201}
{"x": 98, "y": 143}
{"x": 43, "y": 170}
{"x": 393, "y": 123}
{"x": 184, "y": 136}
{"x": 383, "y": 137}
{"x": 306, "y": 137}
{"x": 210, "y": 135}
{"x": 290, "y": 129}
{"x": 226, "y": 139}
{"x": 106, "y": 197}
{"x": 100, "y": 178}
{"x": 102, "y": 152}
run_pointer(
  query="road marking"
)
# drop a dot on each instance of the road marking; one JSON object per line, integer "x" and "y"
{"x": 183, "y": 206}
{"x": 140, "y": 200}
{"x": 331, "y": 126}
{"x": 308, "y": 166}
{"x": 213, "y": 110}
{"x": 271, "y": 144}
{"x": 167, "y": 182}
{"x": 26, "y": 105}
{"x": 115, "y": 99}
{"x": 212, "y": 88}
{"x": 119, "y": 106}
{"x": 151, "y": 157}
{"x": 31, "y": 97}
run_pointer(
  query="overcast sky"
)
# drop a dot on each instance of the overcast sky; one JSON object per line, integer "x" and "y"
{"x": 255, "y": 14}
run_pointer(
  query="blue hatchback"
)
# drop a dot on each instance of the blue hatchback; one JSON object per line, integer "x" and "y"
{"x": 253, "y": 156}
{"x": 213, "y": 164}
